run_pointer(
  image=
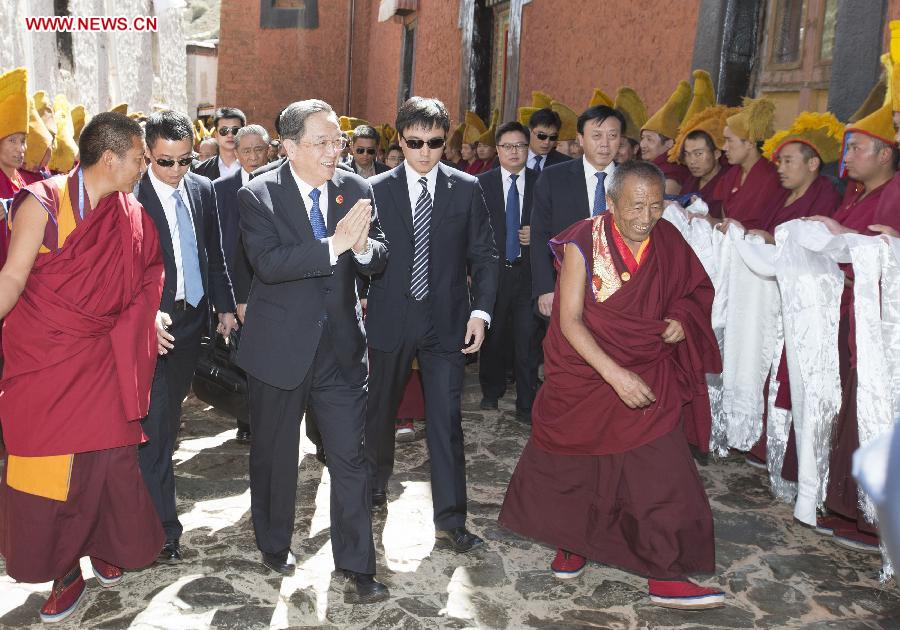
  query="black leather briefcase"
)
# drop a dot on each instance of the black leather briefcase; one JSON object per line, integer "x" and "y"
{"x": 217, "y": 380}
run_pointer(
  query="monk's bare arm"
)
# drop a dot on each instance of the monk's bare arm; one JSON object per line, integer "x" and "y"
{"x": 633, "y": 391}
{"x": 27, "y": 236}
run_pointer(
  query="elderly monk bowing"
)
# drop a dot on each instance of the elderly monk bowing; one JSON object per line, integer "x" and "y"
{"x": 607, "y": 473}
{"x": 79, "y": 291}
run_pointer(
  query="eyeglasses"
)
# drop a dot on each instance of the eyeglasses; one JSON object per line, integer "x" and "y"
{"x": 167, "y": 163}
{"x": 250, "y": 150}
{"x": 339, "y": 144}
{"x": 224, "y": 131}
{"x": 518, "y": 146}
{"x": 416, "y": 143}
{"x": 361, "y": 150}
{"x": 543, "y": 136}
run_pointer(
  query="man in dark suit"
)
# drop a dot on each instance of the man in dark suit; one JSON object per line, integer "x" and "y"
{"x": 183, "y": 207}
{"x": 508, "y": 192}
{"x": 439, "y": 229}
{"x": 544, "y": 125}
{"x": 252, "y": 143}
{"x": 303, "y": 342}
{"x": 571, "y": 191}
{"x": 363, "y": 148}
{"x": 228, "y": 121}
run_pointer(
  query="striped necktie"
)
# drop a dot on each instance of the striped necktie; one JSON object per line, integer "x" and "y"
{"x": 421, "y": 234}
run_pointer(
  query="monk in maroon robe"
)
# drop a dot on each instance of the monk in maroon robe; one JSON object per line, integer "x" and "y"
{"x": 707, "y": 166}
{"x": 750, "y": 192}
{"x": 608, "y": 474}
{"x": 79, "y": 291}
{"x": 870, "y": 162}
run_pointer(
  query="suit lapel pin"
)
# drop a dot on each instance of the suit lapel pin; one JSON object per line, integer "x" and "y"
{"x": 339, "y": 199}
{"x": 449, "y": 183}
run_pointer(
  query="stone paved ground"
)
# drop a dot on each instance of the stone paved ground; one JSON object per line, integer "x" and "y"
{"x": 776, "y": 573}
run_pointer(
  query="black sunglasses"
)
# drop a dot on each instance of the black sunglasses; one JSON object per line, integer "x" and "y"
{"x": 433, "y": 143}
{"x": 167, "y": 163}
{"x": 224, "y": 131}
{"x": 361, "y": 150}
{"x": 542, "y": 136}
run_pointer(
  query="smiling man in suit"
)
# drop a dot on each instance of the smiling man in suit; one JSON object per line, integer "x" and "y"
{"x": 571, "y": 191}
{"x": 439, "y": 229}
{"x": 183, "y": 207}
{"x": 307, "y": 229}
{"x": 508, "y": 191}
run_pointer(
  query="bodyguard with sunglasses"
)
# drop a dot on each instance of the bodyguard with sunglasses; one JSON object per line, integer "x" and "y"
{"x": 363, "y": 148}
{"x": 435, "y": 218}
{"x": 228, "y": 121}
{"x": 544, "y": 125}
{"x": 183, "y": 207}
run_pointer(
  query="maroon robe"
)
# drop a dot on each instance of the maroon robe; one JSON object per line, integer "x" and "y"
{"x": 754, "y": 201}
{"x": 888, "y": 211}
{"x": 672, "y": 170}
{"x": 614, "y": 484}
{"x": 709, "y": 192}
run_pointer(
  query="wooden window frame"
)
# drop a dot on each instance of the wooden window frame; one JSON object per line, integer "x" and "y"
{"x": 772, "y": 35}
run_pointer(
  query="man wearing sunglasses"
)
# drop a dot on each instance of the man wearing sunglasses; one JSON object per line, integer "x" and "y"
{"x": 435, "y": 218}
{"x": 227, "y": 121}
{"x": 362, "y": 152}
{"x": 544, "y": 125}
{"x": 183, "y": 207}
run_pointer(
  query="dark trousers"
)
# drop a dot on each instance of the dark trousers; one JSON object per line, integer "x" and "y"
{"x": 171, "y": 383}
{"x": 513, "y": 326}
{"x": 338, "y": 401}
{"x": 442, "y": 377}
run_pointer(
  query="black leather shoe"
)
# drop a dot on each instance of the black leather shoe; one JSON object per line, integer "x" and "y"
{"x": 363, "y": 589}
{"x": 523, "y": 416}
{"x": 460, "y": 539}
{"x": 489, "y": 404}
{"x": 243, "y": 436}
{"x": 171, "y": 553}
{"x": 320, "y": 455}
{"x": 283, "y": 563}
{"x": 379, "y": 500}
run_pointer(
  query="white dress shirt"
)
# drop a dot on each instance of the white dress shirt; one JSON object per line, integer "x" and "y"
{"x": 245, "y": 177}
{"x": 305, "y": 189}
{"x": 591, "y": 180}
{"x": 520, "y": 187}
{"x": 165, "y": 192}
{"x": 531, "y": 156}
{"x": 415, "y": 189}
{"x": 224, "y": 170}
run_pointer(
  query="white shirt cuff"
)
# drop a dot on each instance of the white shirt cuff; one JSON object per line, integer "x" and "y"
{"x": 482, "y": 315}
{"x": 331, "y": 255}
{"x": 366, "y": 257}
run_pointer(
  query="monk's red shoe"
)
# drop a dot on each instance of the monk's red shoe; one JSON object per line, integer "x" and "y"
{"x": 107, "y": 574}
{"x": 684, "y": 595}
{"x": 567, "y": 565}
{"x": 64, "y": 597}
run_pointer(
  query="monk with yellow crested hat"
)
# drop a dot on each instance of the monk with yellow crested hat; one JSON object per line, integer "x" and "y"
{"x": 65, "y": 149}
{"x": 486, "y": 149}
{"x": 750, "y": 189}
{"x": 13, "y": 131}
{"x": 635, "y": 112}
{"x": 39, "y": 143}
{"x": 699, "y": 147}
{"x": 473, "y": 130}
{"x": 568, "y": 131}
{"x": 658, "y": 136}
{"x": 886, "y": 216}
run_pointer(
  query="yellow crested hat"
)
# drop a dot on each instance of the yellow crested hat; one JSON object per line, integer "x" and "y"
{"x": 879, "y": 124}
{"x": 488, "y": 137}
{"x": 704, "y": 94}
{"x": 474, "y": 128}
{"x": 666, "y": 120}
{"x": 79, "y": 118}
{"x": 42, "y": 102}
{"x": 895, "y": 87}
{"x": 38, "y": 141}
{"x": 710, "y": 120}
{"x": 385, "y": 133}
{"x": 64, "y": 152}
{"x": 121, "y": 108}
{"x": 600, "y": 98}
{"x": 524, "y": 114}
{"x": 456, "y": 138}
{"x": 541, "y": 100}
{"x": 821, "y": 132}
{"x": 753, "y": 122}
{"x": 632, "y": 107}
{"x": 14, "y": 102}
{"x": 569, "y": 119}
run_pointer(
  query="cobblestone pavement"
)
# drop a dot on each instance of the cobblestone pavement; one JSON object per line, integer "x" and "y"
{"x": 777, "y": 574}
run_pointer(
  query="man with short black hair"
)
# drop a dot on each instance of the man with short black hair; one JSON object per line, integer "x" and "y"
{"x": 544, "y": 125}
{"x": 572, "y": 191}
{"x": 183, "y": 207}
{"x": 227, "y": 122}
{"x": 508, "y": 192}
{"x": 440, "y": 232}
{"x": 363, "y": 148}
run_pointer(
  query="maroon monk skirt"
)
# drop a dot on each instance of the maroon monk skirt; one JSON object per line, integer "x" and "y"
{"x": 108, "y": 515}
{"x": 644, "y": 511}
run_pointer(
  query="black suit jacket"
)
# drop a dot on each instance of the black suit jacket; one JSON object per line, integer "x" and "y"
{"x": 229, "y": 217}
{"x": 461, "y": 240}
{"x": 295, "y": 290}
{"x": 202, "y": 204}
{"x": 380, "y": 167}
{"x": 560, "y": 199}
{"x": 209, "y": 168}
{"x": 554, "y": 157}
{"x": 492, "y": 186}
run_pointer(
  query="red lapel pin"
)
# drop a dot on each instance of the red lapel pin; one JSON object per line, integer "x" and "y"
{"x": 339, "y": 199}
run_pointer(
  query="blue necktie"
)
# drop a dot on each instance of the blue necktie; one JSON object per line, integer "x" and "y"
{"x": 537, "y": 163}
{"x": 418, "y": 285}
{"x": 190, "y": 261}
{"x": 512, "y": 221}
{"x": 315, "y": 216}
{"x": 599, "y": 194}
